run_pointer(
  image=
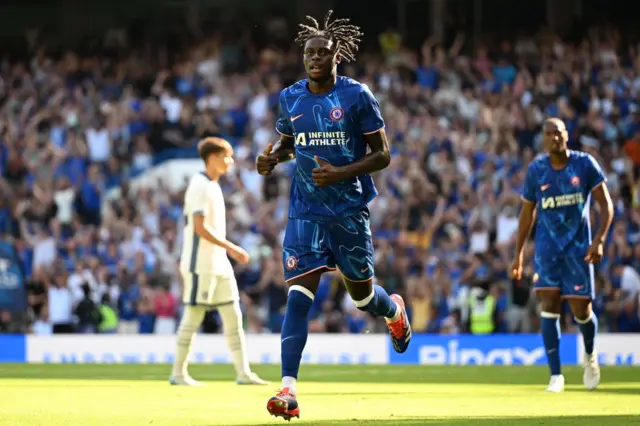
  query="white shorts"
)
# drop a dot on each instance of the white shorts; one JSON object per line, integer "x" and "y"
{"x": 208, "y": 289}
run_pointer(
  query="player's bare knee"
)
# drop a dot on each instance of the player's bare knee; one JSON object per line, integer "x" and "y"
{"x": 307, "y": 284}
{"x": 580, "y": 308}
{"x": 359, "y": 290}
{"x": 550, "y": 301}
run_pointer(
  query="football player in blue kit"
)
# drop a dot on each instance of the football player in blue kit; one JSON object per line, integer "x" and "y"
{"x": 558, "y": 188}
{"x": 326, "y": 123}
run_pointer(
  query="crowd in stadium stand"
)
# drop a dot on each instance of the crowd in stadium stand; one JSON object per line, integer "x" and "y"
{"x": 463, "y": 122}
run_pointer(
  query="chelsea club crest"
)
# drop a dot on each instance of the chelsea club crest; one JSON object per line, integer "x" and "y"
{"x": 336, "y": 114}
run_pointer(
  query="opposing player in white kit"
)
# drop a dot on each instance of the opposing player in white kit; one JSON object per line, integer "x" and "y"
{"x": 208, "y": 277}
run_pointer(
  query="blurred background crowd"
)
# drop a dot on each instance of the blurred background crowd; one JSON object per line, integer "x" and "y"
{"x": 81, "y": 121}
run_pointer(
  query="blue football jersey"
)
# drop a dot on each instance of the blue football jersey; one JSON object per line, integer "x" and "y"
{"x": 563, "y": 199}
{"x": 331, "y": 126}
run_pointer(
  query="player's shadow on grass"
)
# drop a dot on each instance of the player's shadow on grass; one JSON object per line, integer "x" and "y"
{"x": 612, "y": 389}
{"x": 493, "y": 421}
{"x": 618, "y": 390}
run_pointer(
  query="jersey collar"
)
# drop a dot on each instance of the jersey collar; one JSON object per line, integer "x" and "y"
{"x": 309, "y": 93}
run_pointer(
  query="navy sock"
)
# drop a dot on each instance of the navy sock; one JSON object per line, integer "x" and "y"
{"x": 589, "y": 329}
{"x": 551, "y": 338}
{"x": 295, "y": 330}
{"x": 378, "y": 304}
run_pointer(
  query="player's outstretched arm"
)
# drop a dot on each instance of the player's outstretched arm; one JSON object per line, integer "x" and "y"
{"x": 284, "y": 150}
{"x": 603, "y": 198}
{"x": 524, "y": 229}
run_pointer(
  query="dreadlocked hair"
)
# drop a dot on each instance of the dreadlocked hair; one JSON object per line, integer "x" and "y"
{"x": 344, "y": 35}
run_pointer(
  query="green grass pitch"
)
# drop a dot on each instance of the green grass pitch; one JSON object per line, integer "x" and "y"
{"x": 123, "y": 395}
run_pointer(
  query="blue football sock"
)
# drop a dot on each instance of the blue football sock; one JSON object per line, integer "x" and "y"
{"x": 295, "y": 329}
{"x": 589, "y": 329}
{"x": 551, "y": 338}
{"x": 378, "y": 303}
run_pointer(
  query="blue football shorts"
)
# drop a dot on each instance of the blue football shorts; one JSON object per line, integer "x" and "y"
{"x": 342, "y": 243}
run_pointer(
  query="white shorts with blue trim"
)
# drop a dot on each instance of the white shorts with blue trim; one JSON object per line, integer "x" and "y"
{"x": 209, "y": 289}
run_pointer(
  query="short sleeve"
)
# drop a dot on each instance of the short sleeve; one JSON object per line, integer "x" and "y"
{"x": 283, "y": 124}
{"x": 370, "y": 117}
{"x": 529, "y": 191}
{"x": 196, "y": 197}
{"x": 594, "y": 174}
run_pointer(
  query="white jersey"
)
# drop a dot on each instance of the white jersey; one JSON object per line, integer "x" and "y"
{"x": 199, "y": 256}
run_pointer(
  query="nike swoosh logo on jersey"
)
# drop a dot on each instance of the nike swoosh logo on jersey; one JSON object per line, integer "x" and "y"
{"x": 545, "y": 187}
{"x": 296, "y": 117}
{"x": 362, "y": 271}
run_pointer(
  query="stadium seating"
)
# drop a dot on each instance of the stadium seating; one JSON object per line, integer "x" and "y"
{"x": 463, "y": 126}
